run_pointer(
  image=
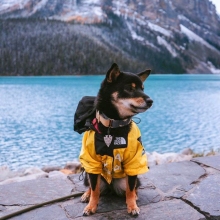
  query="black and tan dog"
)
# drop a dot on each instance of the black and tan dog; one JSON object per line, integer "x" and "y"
{"x": 112, "y": 153}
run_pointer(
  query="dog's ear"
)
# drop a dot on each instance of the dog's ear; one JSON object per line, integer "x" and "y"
{"x": 113, "y": 73}
{"x": 144, "y": 75}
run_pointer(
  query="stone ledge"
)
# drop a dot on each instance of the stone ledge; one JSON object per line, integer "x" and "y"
{"x": 212, "y": 161}
{"x": 206, "y": 196}
{"x": 168, "y": 191}
{"x": 166, "y": 210}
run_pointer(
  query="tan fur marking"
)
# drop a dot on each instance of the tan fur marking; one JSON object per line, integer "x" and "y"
{"x": 86, "y": 196}
{"x": 133, "y": 85}
{"x": 115, "y": 95}
{"x": 139, "y": 101}
{"x": 94, "y": 199}
{"x": 124, "y": 105}
{"x": 131, "y": 196}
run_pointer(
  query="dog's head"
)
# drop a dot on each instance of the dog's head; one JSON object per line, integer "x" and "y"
{"x": 122, "y": 94}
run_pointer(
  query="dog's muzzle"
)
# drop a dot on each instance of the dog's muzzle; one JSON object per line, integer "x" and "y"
{"x": 149, "y": 102}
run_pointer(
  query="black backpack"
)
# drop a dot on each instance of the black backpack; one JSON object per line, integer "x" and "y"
{"x": 85, "y": 113}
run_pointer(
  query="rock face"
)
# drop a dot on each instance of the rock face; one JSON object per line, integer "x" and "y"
{"x": 171, "y": 31}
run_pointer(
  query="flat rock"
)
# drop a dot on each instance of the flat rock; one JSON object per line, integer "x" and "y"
{"x": 78, "y": 181}
{"x": 158, "y": 194}
{"x": 211, "y": 161}
{"x": 53, "y": 212}
{"x": 166, "y": 210}
{"x": 57, "y": 174}
{"x": 49, "y": 169}
{"x": 174, "y": 179}
{"x": 5, "y": 173}
{"x": 147, "y": 196}
{"x": 206, "y": 196}
{"x": 108, "y": 203}
{"x": 24, "y": 178}
{"x": 2, "y": 208}
{"x": 11, "y": 209}
{"x": 74, "y": 208}
{"x": 34, "y": 191}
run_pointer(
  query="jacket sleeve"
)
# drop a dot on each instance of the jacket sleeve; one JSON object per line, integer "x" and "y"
{"x": 135, "y": 158}
{"x": 88, "y": 158}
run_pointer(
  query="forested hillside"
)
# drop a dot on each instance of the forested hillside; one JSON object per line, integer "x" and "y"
{"x": 39, "y": 47}
{"x": 52, "y": 48}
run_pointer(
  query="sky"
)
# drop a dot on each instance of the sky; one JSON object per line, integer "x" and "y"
{"x": 217, "y": 5}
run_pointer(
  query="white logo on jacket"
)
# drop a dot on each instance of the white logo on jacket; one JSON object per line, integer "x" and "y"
{"x": 116, "y": 168}
{"x": 118, "y": 157}
{"x": 119, "y": 141}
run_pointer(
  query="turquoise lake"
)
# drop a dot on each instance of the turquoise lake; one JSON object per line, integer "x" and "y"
{"x": 36, "y": 116}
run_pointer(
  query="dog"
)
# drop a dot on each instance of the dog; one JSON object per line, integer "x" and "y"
{"x": 112, "y": 153}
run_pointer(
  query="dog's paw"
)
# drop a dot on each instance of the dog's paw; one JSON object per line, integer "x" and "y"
{"x": 85, "y": 197}
{"x": 89, "y": 210}
{"x": 133, "y": 211}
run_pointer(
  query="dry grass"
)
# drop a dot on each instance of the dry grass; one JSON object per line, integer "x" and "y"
{"x": 212, "y": 152}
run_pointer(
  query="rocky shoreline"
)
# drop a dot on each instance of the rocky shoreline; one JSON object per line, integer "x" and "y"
{"x": 9, "y": 176}
{"x": 178, "y": 190}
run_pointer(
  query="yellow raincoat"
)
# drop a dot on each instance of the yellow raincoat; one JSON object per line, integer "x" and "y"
{"x": 130, "y": 160}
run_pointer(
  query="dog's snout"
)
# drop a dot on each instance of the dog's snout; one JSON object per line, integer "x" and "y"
{"x": 149, "y": 102}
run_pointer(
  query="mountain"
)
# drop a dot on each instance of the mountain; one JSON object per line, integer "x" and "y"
{"x": 169, "y": 36}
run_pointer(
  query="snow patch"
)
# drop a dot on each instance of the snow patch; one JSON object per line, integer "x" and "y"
{"x": 139, "y": 38}
{"x": 134, "y": 34}
{"x": 194, "y": 37}
{"x": 39, "y": 5}
{"x": 159, "y": 29}
{"x": 91, "y": 1}
{"x": 163, "y": 42}
{"x": 151, "y": 45}
{"x": 213, "y": 68}
{"x": 7, "y": 4}
{"x": 183, "y": 18}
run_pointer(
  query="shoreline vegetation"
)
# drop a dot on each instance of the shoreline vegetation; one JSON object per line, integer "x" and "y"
{"x": 8, "y": 176}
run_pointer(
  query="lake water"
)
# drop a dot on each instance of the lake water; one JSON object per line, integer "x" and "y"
{"x": 36, "y": 116}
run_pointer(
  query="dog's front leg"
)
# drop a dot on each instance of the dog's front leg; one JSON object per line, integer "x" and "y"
{"x": 131, "y": 195}
{"x": 94, "y": 180}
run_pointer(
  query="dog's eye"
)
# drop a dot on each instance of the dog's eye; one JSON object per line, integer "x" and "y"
{"x": 129, "y": 88}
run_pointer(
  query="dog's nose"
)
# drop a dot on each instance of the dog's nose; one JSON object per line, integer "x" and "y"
{"x": 149, "y": 102}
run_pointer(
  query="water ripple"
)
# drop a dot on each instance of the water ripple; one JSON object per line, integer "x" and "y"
{"x": 36, "y": 116}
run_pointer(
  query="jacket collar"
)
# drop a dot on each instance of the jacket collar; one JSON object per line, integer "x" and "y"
{"x": 111, "y": 123}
